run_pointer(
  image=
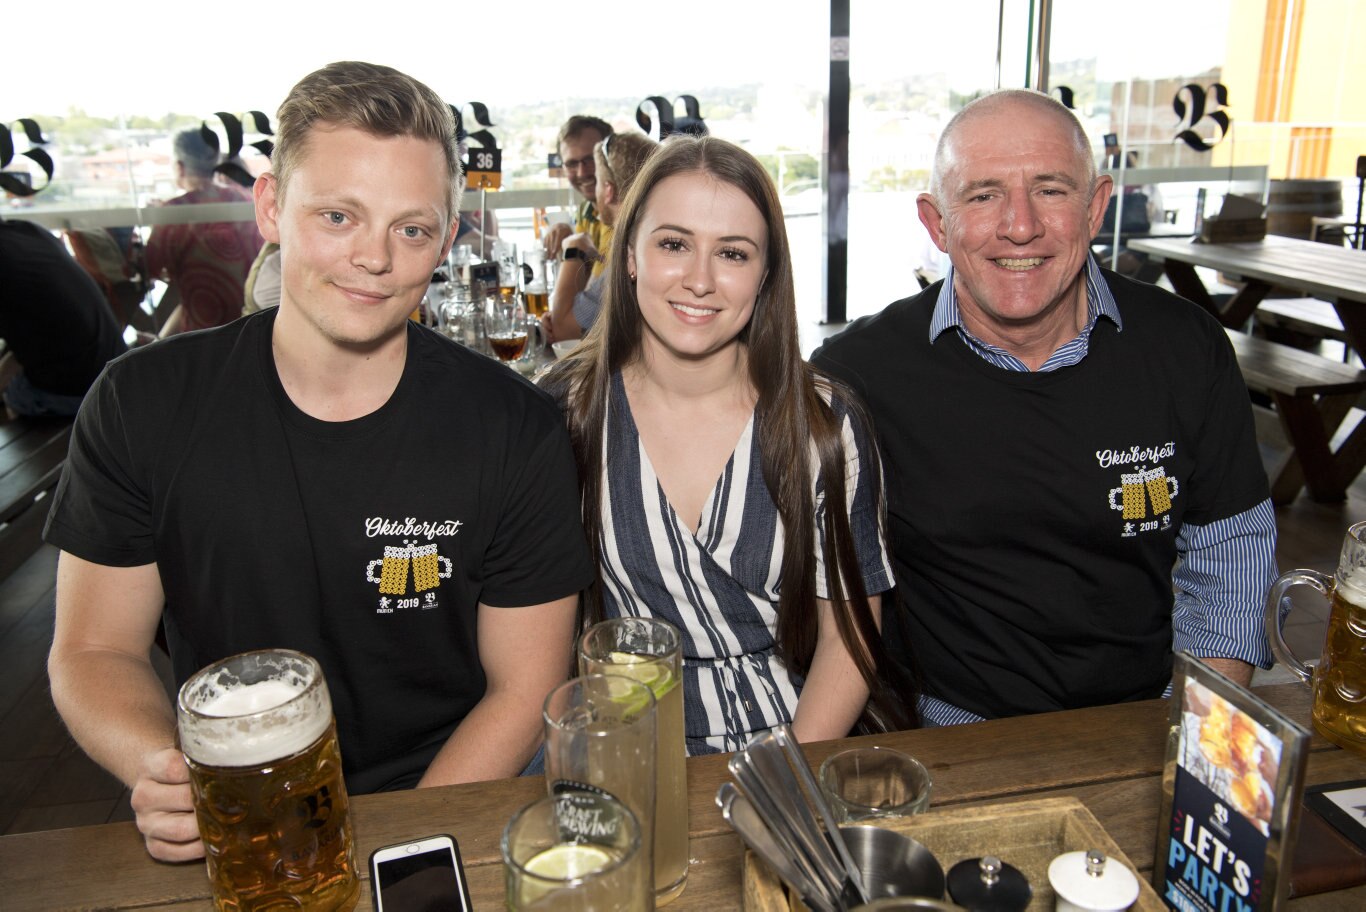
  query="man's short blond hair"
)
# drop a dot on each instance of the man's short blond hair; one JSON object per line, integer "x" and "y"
{"x": 366, "y": 96}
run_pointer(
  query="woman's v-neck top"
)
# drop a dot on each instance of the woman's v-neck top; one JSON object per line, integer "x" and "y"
{"x": 720, "y": 586}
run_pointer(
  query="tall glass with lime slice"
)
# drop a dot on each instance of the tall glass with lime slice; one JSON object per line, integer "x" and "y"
{"x": 649, "y": 650}
{"x": 577, "y": 851}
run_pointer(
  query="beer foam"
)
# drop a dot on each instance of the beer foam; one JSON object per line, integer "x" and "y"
{"x": 250, "y": 698}
{"x": 1353, "y": 586}
{"x": 253, "y": 724}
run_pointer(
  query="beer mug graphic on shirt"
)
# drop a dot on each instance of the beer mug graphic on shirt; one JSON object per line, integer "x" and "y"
{"x": 1132, "y": 489}
{"x": 427, "y": 572}
{"x": 426, "y": 563}
{"x": 393, "y": 579}
{"x": 1161, "y": 488}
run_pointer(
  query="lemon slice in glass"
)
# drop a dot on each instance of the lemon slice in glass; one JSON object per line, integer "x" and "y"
{"x": 569, "y": 861}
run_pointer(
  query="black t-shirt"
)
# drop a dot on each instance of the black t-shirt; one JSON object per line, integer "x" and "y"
{"x": 367, "y": 544}
{"x": 1033, "y": 516}
{"x": 52, "y": 314}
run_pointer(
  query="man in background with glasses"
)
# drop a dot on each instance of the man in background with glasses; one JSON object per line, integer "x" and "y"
{"x": 578, "y": 136}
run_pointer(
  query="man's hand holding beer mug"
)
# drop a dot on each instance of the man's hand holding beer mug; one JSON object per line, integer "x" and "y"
{"x": 164, "y": 806}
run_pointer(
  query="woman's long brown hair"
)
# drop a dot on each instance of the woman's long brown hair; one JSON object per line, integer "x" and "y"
{"x": 792, "y": 420}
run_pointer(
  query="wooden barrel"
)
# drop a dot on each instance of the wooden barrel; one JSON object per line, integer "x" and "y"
{"x": 1292, "y": 205}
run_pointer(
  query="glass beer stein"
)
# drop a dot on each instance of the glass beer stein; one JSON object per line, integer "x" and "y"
{"x": 257, "y": 732}
{"x": 1339, "y": 679}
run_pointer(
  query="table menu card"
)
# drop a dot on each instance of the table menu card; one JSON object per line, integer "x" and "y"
{"x": 1233, "y": 780}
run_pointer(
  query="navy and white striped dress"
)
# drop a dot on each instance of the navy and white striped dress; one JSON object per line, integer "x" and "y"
{"x": 718, "y": 587}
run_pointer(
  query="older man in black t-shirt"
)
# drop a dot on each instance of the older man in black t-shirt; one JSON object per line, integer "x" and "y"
{"x": 1063, "y": 447}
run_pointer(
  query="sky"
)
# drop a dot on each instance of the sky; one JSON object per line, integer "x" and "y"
{"x": 137, "y": 56}
{"x": 146, "y": 57}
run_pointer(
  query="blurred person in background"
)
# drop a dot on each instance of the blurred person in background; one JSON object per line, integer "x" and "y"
{"x": 205, "y": 263}
{"x": 578, "y": 136}
{"x": 578, "y": 292}
{"x": 57, "y": 327}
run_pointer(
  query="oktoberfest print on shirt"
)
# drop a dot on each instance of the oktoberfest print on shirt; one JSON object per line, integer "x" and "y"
{"x": 417, "y": 560}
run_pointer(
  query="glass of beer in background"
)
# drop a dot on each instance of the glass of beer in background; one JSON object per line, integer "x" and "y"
{"x": 575, "y": 852}
{"x": 506, "y": 326}
{"x": 650, "y": 651}
{"x": 266, "y": 773}
{"x": 1339, "y": 679}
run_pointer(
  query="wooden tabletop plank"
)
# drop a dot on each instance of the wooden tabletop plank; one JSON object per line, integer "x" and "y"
{"x": 1321, "y": 270}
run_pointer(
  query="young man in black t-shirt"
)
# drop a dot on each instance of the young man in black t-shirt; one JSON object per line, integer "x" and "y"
{"x": 325, "y": 476}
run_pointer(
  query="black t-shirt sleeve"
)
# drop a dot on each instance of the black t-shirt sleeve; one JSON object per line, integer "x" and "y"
{"x": 102, "y": 510}
{"x": 538, "y": 553}
{"x": 1228, "y": 477}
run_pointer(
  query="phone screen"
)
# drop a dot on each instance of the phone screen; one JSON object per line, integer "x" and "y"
{"x": 424, "y": 882}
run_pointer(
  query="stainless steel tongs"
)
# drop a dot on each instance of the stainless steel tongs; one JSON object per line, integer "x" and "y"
{"x": 773, "y": 775}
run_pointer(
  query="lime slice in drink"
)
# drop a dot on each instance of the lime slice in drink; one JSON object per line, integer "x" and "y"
{"x": 630, "y": 698}
{"x": 644, "y": 669}
{"x": 569, "y": 861}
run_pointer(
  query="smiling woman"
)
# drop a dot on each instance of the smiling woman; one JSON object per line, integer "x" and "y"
{"x": 728, "y": 488}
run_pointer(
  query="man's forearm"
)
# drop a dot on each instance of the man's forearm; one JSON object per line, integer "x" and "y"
{"x": 496, "y": 740}
{"x": 1238, "y": 671}
{"x": 115, "y": 707}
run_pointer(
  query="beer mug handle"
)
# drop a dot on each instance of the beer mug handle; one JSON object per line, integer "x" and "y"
{"x": 1319, "y": 581}
{"x": 446, "y": 573}
{"x": 370, "y": 571}
{"x": 1113, "y": 504}
{"x": 1176, "y": 486}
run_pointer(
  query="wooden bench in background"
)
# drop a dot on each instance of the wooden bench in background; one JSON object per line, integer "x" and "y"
{"x": 1301, "y": 322}
{"x": 1311, "y": 396}
{"x": 32, "y": 453}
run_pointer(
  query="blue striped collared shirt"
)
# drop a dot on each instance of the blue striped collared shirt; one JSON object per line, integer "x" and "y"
{"x": 1225, "y": 567}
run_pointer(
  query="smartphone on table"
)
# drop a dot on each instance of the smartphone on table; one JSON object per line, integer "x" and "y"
{"x": 420, "y": 876}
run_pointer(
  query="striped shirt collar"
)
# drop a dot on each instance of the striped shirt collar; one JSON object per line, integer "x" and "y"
{"x": 1099, "y": 303}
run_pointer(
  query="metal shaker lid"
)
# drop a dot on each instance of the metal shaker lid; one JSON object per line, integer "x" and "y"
{"x": 988, "y": 884}
{"x": 1088, "y": 880}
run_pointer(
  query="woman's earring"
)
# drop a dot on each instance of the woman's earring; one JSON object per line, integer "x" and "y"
{"x": 632, "y": 276}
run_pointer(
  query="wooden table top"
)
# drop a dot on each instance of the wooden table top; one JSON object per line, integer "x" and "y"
{"x": 1110, "y": 757}
{"x": 1319, "y": 270}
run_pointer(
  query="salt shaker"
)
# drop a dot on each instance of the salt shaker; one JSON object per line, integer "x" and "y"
{"x": 1088, "y": 882}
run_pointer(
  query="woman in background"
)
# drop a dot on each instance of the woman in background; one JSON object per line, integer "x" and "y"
{"x": 728, "y": 487}
{"x": 578, "y": 298}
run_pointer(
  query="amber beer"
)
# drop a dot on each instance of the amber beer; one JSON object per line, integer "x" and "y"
{"x": 537, "y": 299}
{"x": 1339, "y": 680}
{"x": 537, "y": 303}
{"x": 1340, "y": 677}
{"x": 266, "y": 774}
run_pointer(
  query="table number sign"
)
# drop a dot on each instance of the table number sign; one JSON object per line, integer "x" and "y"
{"x": 1233, "y": 779}
{"x": 484, "y": 165}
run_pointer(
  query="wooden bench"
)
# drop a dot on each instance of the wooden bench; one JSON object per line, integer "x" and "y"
{"x": 1301, "y": 322}
{"x": 32, "y": 453}
{"x": 1312, "y": 396}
